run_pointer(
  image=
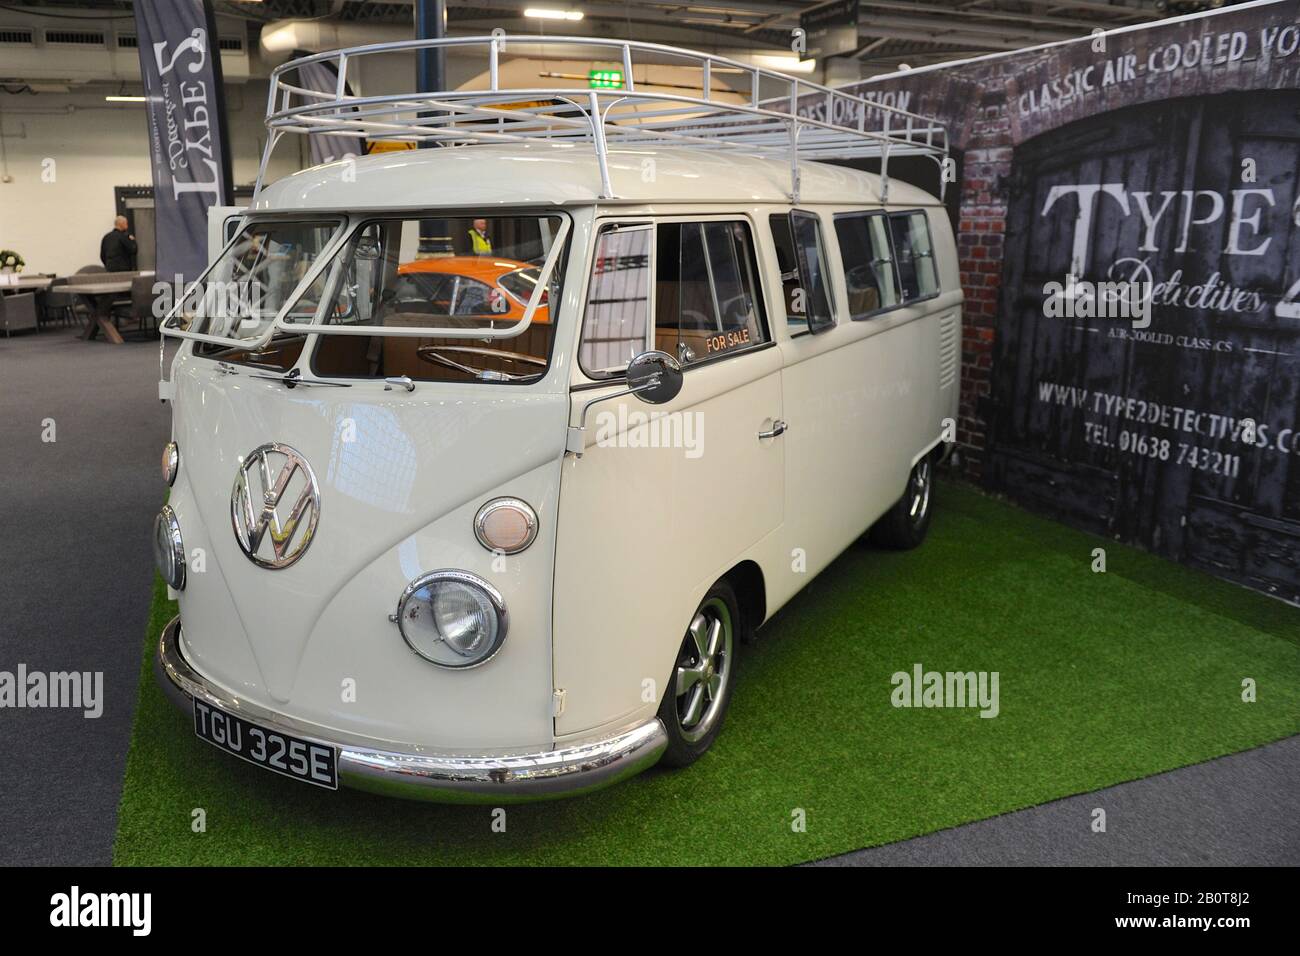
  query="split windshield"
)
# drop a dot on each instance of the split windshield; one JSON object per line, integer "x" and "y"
{"x": 389, "y": 279}
{"x": 254, "y": 279}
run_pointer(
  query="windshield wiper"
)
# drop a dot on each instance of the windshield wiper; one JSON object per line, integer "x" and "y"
{"x": 294, "y": 377}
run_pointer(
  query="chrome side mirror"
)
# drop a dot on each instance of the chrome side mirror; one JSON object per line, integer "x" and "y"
{"x": 654, "y": 377}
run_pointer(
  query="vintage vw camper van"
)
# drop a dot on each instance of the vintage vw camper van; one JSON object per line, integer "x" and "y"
{"x": 496, "y": 452}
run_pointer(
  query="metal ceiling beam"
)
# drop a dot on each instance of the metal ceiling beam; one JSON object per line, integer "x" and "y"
{"x": 951, "y": 35}
{"x": 965, "y": 14}
{"x": 881, "y": 26}
{"x": 1114, "y": 10}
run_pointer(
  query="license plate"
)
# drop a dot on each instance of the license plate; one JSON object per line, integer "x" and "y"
{"x": 301, "y": 759}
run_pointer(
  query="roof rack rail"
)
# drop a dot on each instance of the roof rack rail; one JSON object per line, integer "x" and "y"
{"x": 738, "y": 114}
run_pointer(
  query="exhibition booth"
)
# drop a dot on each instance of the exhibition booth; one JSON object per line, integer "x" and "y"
{"x": 591, "y": 450}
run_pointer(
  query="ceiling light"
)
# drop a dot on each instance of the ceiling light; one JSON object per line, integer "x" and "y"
{"x": 125, "y": 99}
{"x": 784, "y": 62}
{"x": 546, "y": 13}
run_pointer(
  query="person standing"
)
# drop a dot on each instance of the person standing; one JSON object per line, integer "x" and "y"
{"x": 480, "y": 243}
{"x": 117, "y": 250}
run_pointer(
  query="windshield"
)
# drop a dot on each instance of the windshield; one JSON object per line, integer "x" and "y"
{"x": 254, "y": 279}
{"x": 472, "y": 273}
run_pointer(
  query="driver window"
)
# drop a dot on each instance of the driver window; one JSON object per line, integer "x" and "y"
{"x": 706, "y": 291}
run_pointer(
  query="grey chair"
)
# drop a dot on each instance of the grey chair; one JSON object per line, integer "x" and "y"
{"x": 139, "y": 307}
{"x": 62, "y": 304}
{"x": 18, "y": 312}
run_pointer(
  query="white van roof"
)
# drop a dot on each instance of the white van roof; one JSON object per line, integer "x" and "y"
{"x": 565, "y": 174}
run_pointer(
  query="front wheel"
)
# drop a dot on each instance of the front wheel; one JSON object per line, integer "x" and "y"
{"x": 699, "y": 690}
{"x": 904, "y": 526}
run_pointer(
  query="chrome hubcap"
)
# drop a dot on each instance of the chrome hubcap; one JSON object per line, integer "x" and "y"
{"x": 703, "y": 668}
{"x": 919, "y": 487}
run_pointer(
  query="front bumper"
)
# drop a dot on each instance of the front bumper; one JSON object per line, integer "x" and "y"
{"x": 415, "y": 773}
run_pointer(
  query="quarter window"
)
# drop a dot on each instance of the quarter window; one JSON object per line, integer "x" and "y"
{"x": 914, "y": 255}
{"x": 868, "y": 263}
{"x": 615, "y": 323}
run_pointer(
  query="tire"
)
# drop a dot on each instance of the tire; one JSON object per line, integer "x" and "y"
{"x": 694, "y": 718}
{"x": 904, "y": 525}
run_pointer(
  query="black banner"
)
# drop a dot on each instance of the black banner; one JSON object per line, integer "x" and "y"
{"x": 180, "y": 66}
{"x": 323, "y": 77}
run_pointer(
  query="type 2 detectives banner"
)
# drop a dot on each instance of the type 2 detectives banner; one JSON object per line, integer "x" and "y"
{"x": 180, "y": 66}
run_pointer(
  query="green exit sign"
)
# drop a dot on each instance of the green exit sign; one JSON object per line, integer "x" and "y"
{"x": 605, "y": 79}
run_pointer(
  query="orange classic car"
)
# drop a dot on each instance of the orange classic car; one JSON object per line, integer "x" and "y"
{"x": 487, "y": 287}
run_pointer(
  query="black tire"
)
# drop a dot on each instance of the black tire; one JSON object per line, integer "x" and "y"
{"x": 689, "y": 739}
{"x": 904, "y": 525}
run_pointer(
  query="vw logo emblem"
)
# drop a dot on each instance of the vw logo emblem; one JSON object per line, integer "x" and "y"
{"x": 274, "y": 506}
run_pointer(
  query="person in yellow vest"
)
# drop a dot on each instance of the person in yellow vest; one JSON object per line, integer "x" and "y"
{"x": 479, "y": 242}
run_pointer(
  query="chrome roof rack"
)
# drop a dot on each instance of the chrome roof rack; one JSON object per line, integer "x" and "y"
{"x": 753, "y": 110}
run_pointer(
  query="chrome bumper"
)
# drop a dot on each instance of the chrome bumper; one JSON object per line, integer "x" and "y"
{"x": 420, "y": 775}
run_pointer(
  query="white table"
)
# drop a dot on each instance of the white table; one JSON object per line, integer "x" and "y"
{"x": 96, "y": 293}
{"x": 25, "y": 283}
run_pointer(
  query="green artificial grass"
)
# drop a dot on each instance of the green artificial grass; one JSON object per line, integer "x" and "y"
{"x": 1103, "y": 678}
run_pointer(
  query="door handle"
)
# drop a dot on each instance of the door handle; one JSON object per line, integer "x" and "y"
{"x": 778, "y": 428}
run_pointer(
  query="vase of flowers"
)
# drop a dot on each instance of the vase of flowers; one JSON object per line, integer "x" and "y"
{"x": 11, "y": 261}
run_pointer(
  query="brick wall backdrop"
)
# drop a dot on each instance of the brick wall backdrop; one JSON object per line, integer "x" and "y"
{"x": 993, "y": 104}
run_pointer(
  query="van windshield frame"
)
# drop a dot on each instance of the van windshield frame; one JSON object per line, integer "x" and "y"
{"x": 556, "y": 256}
{"x": 337, "y": 221}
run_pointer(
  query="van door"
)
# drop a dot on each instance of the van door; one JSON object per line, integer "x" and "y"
{"x": 665, "y": 498}
{"x": 851, "y": 396}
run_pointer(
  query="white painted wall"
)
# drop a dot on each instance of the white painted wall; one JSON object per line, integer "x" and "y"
{"x": 56, "y": 226}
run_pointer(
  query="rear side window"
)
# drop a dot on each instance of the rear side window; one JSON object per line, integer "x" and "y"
{"x": 865, "y": 251}
{"x": 706, "y": 290}
{"x": 801, "y": 257}
{"x": 913, "y": 255}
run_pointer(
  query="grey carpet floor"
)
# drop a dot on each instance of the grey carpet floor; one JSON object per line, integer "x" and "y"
{"x": 76, "y": 572}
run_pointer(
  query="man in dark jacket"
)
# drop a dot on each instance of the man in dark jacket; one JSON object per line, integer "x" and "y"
{"x": 117, "y": 249}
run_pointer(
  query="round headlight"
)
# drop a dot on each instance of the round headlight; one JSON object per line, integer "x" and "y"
{"x": 452, "y": 618}
{"x": 168, "y": 550}
{"x": 507, "y": 525}
{"x": 171, "y": 462}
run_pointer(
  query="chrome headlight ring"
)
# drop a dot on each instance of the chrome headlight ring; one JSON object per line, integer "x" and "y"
{"x": 169, "y": 549}
{"x": 424, "y": 627}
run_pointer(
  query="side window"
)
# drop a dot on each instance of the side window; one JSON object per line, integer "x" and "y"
{"x": 615, "y": 323}
{"x": 804, "y": 278}
{"x": 868, "y": 263}
{"x": 706, "y": 290}
{"x": 914, "y": 255}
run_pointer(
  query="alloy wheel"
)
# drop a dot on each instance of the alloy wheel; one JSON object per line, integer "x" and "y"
{"x": 703, "y": 669}
{"x": 919, "y": 491}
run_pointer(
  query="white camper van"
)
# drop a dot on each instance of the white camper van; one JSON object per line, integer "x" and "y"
{"x": 496, "y": 452}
